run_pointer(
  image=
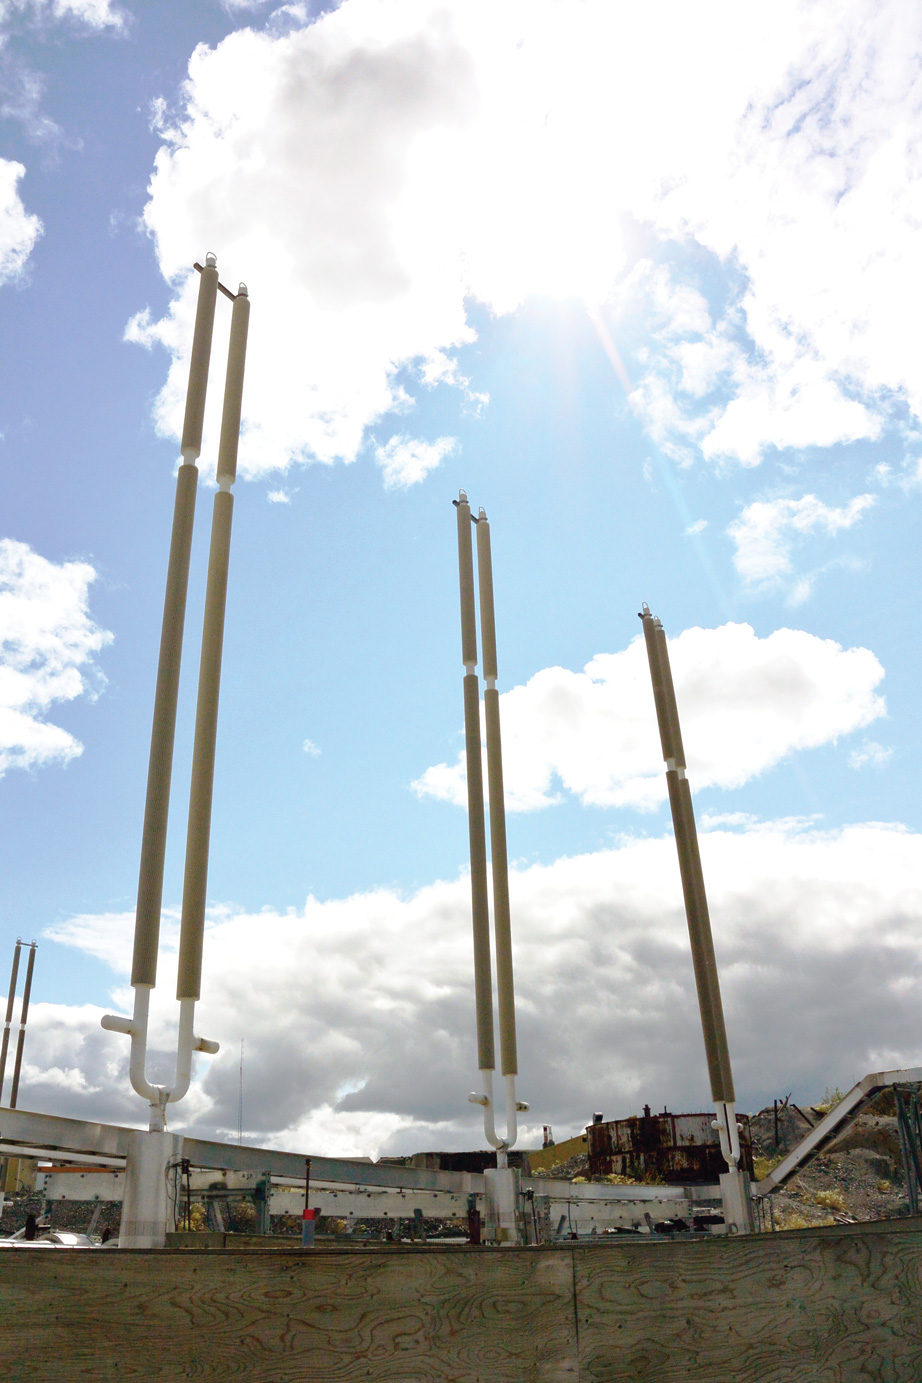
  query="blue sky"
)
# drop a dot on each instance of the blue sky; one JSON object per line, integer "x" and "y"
{"x": 645, "y": 285}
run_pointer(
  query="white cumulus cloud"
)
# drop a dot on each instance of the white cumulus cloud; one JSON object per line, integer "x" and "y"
{"x": 746, "y": 703}
{"x": 306, "y": 163}
{"x": 406, "y": 460}
{"x": 370, "y": 171}
{"x": 766, "y": 531}
{"x": 19, "y": 229}
{"x": 870, "y": 755}
{"x": 92, "y": 14}
{"x": 47, "y": 643}
{"x": 818, "y": 938}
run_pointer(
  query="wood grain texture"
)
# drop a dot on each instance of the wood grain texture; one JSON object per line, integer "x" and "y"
{"x": 273, "y": 1317}
{"x": 787, "y": 1308}
{"x": 766, "y": 1309}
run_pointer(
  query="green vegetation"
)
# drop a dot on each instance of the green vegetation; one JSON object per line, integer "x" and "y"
{"x": 830, "y": 1099}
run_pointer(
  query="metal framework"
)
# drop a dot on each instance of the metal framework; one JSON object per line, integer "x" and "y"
{"x": 909, "y": 1122}
{"x": 337, "y": 1183}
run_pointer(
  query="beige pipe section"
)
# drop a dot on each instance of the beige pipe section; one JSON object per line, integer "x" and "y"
{"x": 198, "y": 835}
{"x": 160, "y": 766}
{"x": 11, "y": 1000}
{"x": 233, "y": 389}
{"x": 480, "y": 907}
{"x": 199, "y": 360}
{"x": 466, "y": 577}
{"x": 686, "y": 836}
{"x": 23, "y": 1019}
{"x": 502, "y": 926}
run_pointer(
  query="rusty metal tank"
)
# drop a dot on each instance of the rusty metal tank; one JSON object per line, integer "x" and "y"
{"x": 677, "y": 1149}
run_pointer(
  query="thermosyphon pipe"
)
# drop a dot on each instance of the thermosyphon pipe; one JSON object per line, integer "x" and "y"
{"x": 696, "y": 907}
{"x": 23, "y": 1017}
{"x": 480, "y": 907}
{"x": 11, "y": 999}
{"x": 502, "y": 926}
{"x": 160, "y": 768}
{"x": 198, "y": 834}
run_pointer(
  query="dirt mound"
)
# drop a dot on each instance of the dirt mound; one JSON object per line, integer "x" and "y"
{"x": 858, "y": 1177}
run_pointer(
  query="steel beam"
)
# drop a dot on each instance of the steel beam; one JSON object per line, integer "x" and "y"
{"x": 47, "y": 1135}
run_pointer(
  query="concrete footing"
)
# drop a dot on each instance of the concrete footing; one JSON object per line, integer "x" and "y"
{"x": 737, "y": 1202}
{"x": 503, "y": 1218}
{"x": 147, "y": 1209}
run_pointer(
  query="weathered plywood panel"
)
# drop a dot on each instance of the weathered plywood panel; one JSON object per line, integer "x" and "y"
{"x": 790, "y": 1308}
{"x": 335, "y": 1317}
{"x": 767, "y": 1309}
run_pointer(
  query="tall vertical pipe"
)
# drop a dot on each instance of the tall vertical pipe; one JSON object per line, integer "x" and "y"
{"x": 483, "y": 970}
{"x": 192, "y": 930}
{"x": 11, "y": 999}
{"x": 160, "y": 768}
{"x": 686, "y": 836}
{"x": 502, "y": 928}
{"x": 23, "y": 1018}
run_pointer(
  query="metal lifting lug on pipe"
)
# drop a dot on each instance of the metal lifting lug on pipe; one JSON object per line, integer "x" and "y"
{"x": 143, "y": 1223}
{"x": 499, "y": 867}
{"x": 737, "y": 1207}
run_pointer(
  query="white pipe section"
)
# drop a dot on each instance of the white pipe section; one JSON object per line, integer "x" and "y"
{"x": 514, "y": 1107}
{"x": 184, "y": 1047}
{"x": 728, "y": 1132}
{"x": 136, "y": 1027}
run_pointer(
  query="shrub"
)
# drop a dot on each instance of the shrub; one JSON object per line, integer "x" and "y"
{"x": 761, "y": 1166}
{"x": 198, "y": 1220}
{"x": 830, "y": 1200}
{"x": 830, "y": 1099}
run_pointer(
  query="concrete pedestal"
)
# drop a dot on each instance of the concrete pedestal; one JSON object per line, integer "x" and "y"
{"x": 147, "y": 1212}
{"x": 503, "y": 1217}
{"x": 737, "y": 1202}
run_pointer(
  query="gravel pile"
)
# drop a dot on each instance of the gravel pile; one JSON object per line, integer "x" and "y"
{"x": 859, "y": 1177}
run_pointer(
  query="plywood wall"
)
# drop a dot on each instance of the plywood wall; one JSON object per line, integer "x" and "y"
{"x": 835, "y": 1307}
